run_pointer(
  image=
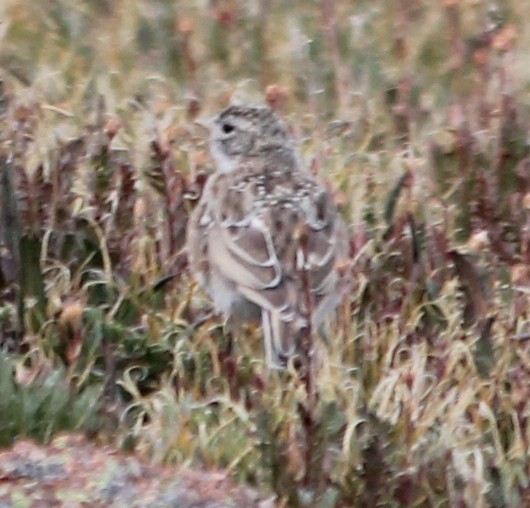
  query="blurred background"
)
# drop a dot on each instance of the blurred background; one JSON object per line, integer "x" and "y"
{"x": 415, "y": 113}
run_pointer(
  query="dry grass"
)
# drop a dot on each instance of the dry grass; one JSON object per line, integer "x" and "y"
{"x": 416, "y": 112}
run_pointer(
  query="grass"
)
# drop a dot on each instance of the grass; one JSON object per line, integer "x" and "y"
{"x": 417, "y": 115}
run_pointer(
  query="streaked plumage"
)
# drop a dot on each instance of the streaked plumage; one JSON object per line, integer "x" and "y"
{"x": 244, "y": 237}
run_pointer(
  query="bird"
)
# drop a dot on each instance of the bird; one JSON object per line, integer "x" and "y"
{"x": 265, "y": 224}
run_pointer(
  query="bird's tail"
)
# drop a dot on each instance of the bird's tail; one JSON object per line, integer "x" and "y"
{"x": 282, "y": 338}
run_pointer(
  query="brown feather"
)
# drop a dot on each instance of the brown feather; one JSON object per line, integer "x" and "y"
{"x": 244, "y": 244}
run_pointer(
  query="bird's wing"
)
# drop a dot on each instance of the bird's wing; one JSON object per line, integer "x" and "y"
{"x": 263, "y": 246}
{"x": 259, "y": 244}
{"x": 223, "y": 236}
{"x": 245, "y": 254}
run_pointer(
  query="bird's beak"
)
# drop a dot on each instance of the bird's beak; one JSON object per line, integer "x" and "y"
{"x": 205, "y": 123}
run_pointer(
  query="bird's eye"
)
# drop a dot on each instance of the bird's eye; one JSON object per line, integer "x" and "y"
{"x": 227, "y": 128}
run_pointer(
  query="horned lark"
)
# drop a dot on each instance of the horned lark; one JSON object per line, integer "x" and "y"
{"x": 265, "y": 232}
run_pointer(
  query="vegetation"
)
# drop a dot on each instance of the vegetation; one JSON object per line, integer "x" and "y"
{"x": 416, "y": 112}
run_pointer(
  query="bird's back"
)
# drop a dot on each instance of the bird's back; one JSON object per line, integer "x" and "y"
{"x": 260, "y": 232}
